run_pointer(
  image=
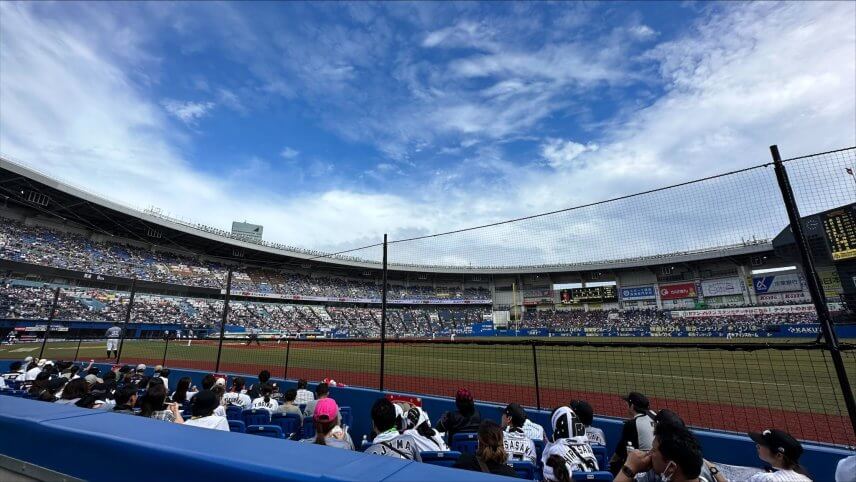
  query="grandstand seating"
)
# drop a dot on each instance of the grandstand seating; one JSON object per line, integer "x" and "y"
{"x": 255, "y": 416}
{"x": 289, "y": 422}
{"x": 592, "y": 476}
{"x": 234, "y": 413}
{"x": 599, "y": 454}
{"x": 524, "y": 469}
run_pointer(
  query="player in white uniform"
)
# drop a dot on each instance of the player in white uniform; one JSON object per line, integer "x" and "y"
{"x": 517, "y": 444}
{"x": 113, "y": 334}
{"x": 570, "y": 443}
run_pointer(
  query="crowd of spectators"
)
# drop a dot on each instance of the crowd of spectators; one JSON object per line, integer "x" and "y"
{"x": 50, "y": 247}
{"x": 654, "y": 445}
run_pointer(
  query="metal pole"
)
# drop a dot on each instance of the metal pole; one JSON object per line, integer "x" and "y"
{"x": 165, "y": 348}
{"x": 127, "y": 318}
{"x": 50, "y": 319}
{"x": 287, "y": 352}
{"x": 537, "y": 385}
{"x": 225, "y": 317}
{"x": 813, "y": 282}
{"x": 79, "y": 341}
{"x": 383, "y": 316}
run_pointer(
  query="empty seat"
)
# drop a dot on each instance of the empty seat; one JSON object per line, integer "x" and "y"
{"x": 602, "y": 475}
{"x": 289, "y": 422}
{"x": 600, "y": 455}
{"x": 308, "y": 430}
{"x": 347, "y": 416}
{"x": 524, "y": 469}
{"x": 237, "y": 426}
{"x": 465, "y": 442}
{"x": 255, "y": 416}
{"x": 234, "y": 413}
{"x": 444, "y": 459}
{"x": 273, "y": 431}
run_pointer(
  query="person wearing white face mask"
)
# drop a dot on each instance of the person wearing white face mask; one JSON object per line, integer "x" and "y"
{"x": 675, "y": 456}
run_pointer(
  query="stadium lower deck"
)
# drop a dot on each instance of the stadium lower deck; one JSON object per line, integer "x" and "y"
{"x": 743, "y": 385}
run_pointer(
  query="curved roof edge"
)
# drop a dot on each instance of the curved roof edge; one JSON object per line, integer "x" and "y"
{"x": 221, "y": 236}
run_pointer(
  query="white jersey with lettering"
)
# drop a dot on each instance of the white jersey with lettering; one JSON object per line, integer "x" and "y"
{"x": 238, "y": 400}
{"x": 595, "y": 436}
{"x": 270, "y": 405}
{"x": 576, "y": 451}
{"x": 518, "y": 445}
{"x": 393, "y": 444}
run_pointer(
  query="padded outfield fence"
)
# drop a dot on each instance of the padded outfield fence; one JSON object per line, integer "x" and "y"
{"x": 803, "y": 388}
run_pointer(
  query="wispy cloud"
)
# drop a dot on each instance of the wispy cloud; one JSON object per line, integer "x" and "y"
{"x": 188, "y": 112}
{"x": 289, "y": 153}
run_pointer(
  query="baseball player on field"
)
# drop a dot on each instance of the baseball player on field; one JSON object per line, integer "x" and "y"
{"x": 113, "y": 334}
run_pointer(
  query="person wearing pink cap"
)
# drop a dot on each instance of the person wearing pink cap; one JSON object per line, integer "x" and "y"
{"x": 327, "y": 429}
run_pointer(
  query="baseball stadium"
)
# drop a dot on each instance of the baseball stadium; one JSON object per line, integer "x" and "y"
{"x": 421, "y": 241}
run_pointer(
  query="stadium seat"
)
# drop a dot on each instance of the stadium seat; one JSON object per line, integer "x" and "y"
{"x": 347, "y": 416}
{"x": 524, "y": 468}
{"x": 444, "y": 459}
{"x": 237, "y": 426}
{"x": 599, "y": 454}
{"x": 308, "y": 430}
{"x": 602, "y": 475}
{"x": 234, "y": 413}
{"x": 289, "y": 422}
{"x": 255, "y": 416}
{"x": 272, "y": 431}
{"x": 539, "y": 449}
{"x": 465, "y": 442}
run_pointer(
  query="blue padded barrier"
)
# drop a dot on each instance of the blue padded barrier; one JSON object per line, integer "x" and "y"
{"x": 443, "y": 459}
{"x": 524, "y": 469}
{"x": 204, "y": 453}
{"x": 602, "y": 475}
{"x": 465, "y": 442}
{"x": 718, "y": 446}
{"x": 237, "y": 426}
{"x": 272, "y": 431}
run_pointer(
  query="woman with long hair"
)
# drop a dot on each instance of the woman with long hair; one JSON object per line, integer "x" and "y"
{"x": 153, "y": 405}
{"x": 266, "y": 400}
{"x": 182, "y": 391}
{"x": 327, "y": 429}
{"x": 490, "y": 456}
{"x": 779, "y": 449}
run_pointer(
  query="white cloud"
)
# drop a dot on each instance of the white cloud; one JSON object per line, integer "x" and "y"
{"x": 187, "y": 111}
{"x": 561, "y": 154}
{"x": 289, "y": 153}
{"x": 643, "y": 32}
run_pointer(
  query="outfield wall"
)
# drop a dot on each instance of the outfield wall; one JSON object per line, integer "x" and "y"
{"x": 722, "y": 447}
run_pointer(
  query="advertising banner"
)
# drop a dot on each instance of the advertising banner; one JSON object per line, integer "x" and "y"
{"x": 777, "y": 283}
{"x": 677, "y": 291}
{"x": 722, "y": 287}
{"x": 638, "y": 293}
{"x": 749, "y": 310}
{"x": 278, "y": 296}
{"x": 830, "y": 282}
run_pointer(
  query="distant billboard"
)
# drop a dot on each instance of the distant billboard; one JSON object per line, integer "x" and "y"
{"x": 722, "y": 287}
{"x": 779, "y": 283}
{"x": 678, "y": 291}
{"x": 638, "y": 293}
{"x": 247, "y": 230}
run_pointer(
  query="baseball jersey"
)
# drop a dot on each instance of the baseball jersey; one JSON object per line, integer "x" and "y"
{"x": 576, "y": 451}
{"x": 393, "y": 444}
{"x": 595, "y": 436}
{"x": 428, "y": 444}
{"x": 533, "y": 430}
{"x": 114, "y": 332}
{"x": 518, "y": 445}
{"x": 779, "y": 476}
{"x": 237, "y": 399}
{"x": 271, "y": 404}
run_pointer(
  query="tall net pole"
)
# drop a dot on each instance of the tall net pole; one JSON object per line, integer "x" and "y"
{"x": 224, "y": 318}
{"x": 127, "y": 318}
{"x": 383, "y": 315}
{"x": 50, "y": 320}
{"x": 813, "y": 283}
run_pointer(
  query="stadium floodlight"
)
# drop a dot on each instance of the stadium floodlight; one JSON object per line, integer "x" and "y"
{"x": 773, "y": 270}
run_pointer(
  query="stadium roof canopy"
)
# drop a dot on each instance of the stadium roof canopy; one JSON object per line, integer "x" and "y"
{"x": 77, "y": 207}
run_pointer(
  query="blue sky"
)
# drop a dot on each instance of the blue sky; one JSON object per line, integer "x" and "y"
{"x": 332, "y": 123}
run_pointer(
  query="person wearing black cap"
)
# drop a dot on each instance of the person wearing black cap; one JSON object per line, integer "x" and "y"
{"x": 586, "y": 415}
{"x": 202, "y": 408}
{"x": 517, "y": 444}
{"x": 675, "y": 456}
{"x": 782, "y": 452}
{"x": 638, "y": 431}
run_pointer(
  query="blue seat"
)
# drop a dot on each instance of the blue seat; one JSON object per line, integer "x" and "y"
{"x": 347, "y": 416}
{"x": 289, "y": 422}
{"x": 465, "y": 442}
{"x": 272, "y": 431}
{"x": 255, "y": 416}
{"x": 234, "y": 413}
{"x": 308, "y": 430}
{"x": 600, "y": 455}
{"x": 237, "y": 426}
{"x": 524, "y": 469}
{"x": 602, "y": 475}
{"x": 539, "y": 450}
{"x": 443, "y": 459}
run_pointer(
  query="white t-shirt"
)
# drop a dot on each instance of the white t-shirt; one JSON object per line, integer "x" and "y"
{"x": 303, "y": 396}
{"x": 237, "y": 399}
{"x": 270, "y": 405}
{"x": 220, "y": 411}
{"x": 215, "y": 422}
{"x": 779, "y": 476}
{"x": 32, "y": 374}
